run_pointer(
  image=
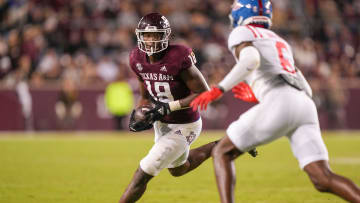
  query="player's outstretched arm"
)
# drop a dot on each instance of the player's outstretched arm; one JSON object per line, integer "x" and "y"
{"x": 248, "y": 60}
{"x": 196, "y": 82}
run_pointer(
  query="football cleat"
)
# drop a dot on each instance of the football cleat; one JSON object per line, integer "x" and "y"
{"x": 253, "y": 152}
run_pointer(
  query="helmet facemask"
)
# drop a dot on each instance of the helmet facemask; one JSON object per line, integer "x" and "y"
{"x": 157, "y": 44}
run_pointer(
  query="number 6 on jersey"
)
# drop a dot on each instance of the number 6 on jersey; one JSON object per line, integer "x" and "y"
{"x": 285, "y": 63}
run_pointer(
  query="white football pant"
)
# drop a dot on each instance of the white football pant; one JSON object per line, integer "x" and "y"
{"x": 284, "y": 111}
{"x": 172, "y": 146}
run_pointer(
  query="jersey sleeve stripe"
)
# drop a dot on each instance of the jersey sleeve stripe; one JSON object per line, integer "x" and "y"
{"x": 251, "y": 29}
{"x": 259, "y": 32}
{"x": 191, "y": 59}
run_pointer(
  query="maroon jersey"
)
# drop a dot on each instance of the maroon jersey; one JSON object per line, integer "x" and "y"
{"x": 162, "y": 79}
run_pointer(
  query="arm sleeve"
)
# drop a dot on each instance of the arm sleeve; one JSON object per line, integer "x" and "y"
{"x": 249, "y": 60}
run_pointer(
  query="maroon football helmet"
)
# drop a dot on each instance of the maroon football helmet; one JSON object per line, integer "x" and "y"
{"x": 153, "y": 23}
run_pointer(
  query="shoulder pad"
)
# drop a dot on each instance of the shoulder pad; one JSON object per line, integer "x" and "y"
{"x": 241, "y": 34}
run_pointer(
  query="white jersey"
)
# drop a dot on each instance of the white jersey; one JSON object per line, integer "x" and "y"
{"x": 283, "y": 110}
{"x": 276, "y": 59}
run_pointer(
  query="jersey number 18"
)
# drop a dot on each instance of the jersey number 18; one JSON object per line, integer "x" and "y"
{"x": 163, "y": 96}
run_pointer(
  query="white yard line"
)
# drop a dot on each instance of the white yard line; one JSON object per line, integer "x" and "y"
{"x": 345, "y": 160}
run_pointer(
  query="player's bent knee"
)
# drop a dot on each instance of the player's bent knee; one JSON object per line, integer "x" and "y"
{"x": 219, "y": 151}
{"x": 176, "y": 172}
{"x": 322, "y": 185}
{"x": 216, "y": 151}
{"x": 225, "y": 148}
{"x": 162, "y": 154}
{"x": 321, "y": 179}
{"x": 148, "y": 166}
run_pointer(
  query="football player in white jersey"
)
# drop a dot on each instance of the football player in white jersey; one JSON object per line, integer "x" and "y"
{"x": 265, "y": 65}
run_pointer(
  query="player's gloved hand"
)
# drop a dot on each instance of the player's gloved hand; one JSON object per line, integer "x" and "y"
{"x": 243, "y": 91}
{"x": 137, "y": 126}
{"x": 205, "y": 98}
{"x": 160, "y": 110}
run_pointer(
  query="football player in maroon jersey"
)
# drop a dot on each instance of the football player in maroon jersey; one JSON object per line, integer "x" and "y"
{"x": 169, "y": 81}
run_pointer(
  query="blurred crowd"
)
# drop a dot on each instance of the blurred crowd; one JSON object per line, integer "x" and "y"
{"x": 47, "y": 42}
{"x": 86, "y": 42}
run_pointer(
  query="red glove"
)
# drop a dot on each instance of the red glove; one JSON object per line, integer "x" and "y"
{"x": 205, "y": 98}
{"x": 243, "y": 91}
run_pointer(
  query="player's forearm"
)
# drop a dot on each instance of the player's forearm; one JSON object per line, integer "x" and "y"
{"x": 249, "y": 60}
{"x": 182, "y": 103}
{"x": 185, "y": 102}
{"x": 196, "y": 82}
{"x": 197, "y": 86}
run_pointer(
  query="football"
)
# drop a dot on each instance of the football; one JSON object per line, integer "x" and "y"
{"x": 140, "y": 112}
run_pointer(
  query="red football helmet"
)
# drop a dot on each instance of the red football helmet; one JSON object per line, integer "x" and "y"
{"x": 153, "y": 33}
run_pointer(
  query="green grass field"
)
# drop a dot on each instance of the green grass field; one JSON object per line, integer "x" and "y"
{"x": 96, "y": 167}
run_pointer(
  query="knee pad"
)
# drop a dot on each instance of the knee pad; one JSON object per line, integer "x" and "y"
{"x": 166, "y": 150}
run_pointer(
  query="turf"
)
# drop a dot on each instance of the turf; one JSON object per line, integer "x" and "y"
{"x": 96, "y": 167}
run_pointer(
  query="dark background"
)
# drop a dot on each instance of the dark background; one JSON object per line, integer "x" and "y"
{"x": 82, "y": 46}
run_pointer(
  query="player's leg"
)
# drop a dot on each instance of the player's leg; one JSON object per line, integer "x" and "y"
{"x": 223, "y": 155}
{"x": 190, "y": 159}
{"x": 166, "y": 149}
{"x": 325, "y": 180}
{"x": 263, "y": 123}
{"x": 137, "y": 187}
{"x": 310, "y": 150}
{"x": 196, "y": 157}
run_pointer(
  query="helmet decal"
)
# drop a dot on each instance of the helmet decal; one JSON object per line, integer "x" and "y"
{"x": 246, "y": 12}
{"x": 260, "y": 8}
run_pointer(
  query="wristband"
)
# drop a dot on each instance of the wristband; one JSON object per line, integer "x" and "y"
{"x": 174, "y": 105}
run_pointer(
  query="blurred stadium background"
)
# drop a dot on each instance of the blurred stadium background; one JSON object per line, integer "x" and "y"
{"x": 58, "y": 57}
